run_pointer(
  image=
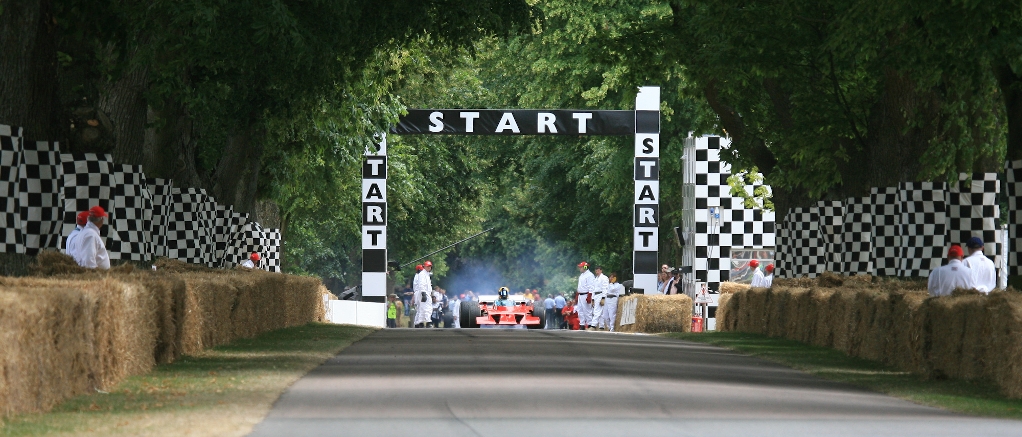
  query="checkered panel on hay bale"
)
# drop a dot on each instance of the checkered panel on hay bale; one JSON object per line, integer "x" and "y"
{"x": 923, "y": 226}
{"x": 886, "y": 214}
{"x": 160, "y": 192}
{"x": 187, "y": 236}
{"x": 857, "y": 241}
{"x": 10, "y": 208}
{"x": 1013, "y": 182}
{"x": 272, "y": 240}
{"x": 87, "y": 180}
{"x": 39, "y": 195}
{"x": 972, "y": 211}
{"x": 207, "y": 214}
{"x": 806, "y": 245}
{"x": 832, "y": 215}
{"x": 132, "y": 217}
{"x": 234, "y": 252}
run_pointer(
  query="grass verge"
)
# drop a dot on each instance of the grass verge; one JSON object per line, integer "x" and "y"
{"x": 222, "y": 391}
{"x": 979, "y": 398}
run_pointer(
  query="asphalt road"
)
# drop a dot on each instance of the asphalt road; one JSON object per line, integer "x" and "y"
{"x": 484, "y": 382}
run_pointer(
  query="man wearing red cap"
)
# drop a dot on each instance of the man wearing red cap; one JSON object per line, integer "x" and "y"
{"x": 758, "y": 280}
{"x": 769, "y": 279}
{"x": 584, "y": 300}
{"x": 423, "y": 288}
{"x": 945, "y": 279}
{"x": 252, "y": 261}
{"x": 80, "y": 221}
{"x": 88, "y": 249}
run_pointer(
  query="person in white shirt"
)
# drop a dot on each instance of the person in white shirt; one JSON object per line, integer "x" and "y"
{"x": 614, "y": 291}
{"x": 945, "y": 279}
{"x": 423, "y": 297}
{"x": 983, "y": 271}
{"x": 586, "y": 288}
{"x": 455, "y": 308}
{"x": 757, "y": 275}
{"x": 252, "y": 261}
{"x": 88, "y": 248}
{"x": 602, "y": 285}
{"x": 768, "y": 280}
{"x": 80, "y": 221}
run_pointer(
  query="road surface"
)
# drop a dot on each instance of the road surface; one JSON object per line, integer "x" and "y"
{"x": 518, "y": 383}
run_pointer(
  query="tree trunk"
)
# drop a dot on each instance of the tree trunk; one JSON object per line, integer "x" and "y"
{"x": 236, "y": 179}
{"x": 169, "y": 149}
{"x": 1010, "y": 85}
{"x": 28, "y": 69}
{"x": 123, "y": 101}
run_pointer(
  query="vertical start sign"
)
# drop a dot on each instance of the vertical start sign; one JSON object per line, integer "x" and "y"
{"x": 646, "y": 218}
{"x": 374, "y": 222}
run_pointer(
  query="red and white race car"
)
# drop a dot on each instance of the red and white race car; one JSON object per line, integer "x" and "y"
{"x": 523, "y": 313}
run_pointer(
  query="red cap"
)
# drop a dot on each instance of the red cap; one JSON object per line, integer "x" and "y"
{"x": 583, "y": 264}
{"x": 754, "y": 263}
{"x": 418, "y": 268}
{"x": 427, "y": 264}
{"x": 955, "y": 251}
{"x": 770, "y": 268}
{"x": 83, "y": 217}
{"x": 97, "y": 211}
{"x": 254, "y": 256}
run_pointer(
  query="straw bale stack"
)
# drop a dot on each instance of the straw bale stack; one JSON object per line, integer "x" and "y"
{"x": 659, "y": 313}
{"x": 729, "y": 287}
{"x": 966, "y": 335}
{"x": 78, "y": 331}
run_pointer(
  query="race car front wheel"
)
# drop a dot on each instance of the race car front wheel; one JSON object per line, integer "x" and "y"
{"x": 469, "y": 311}
{"x": 539, "y": 312}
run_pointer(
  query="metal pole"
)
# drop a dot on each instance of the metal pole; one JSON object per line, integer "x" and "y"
{"x": 445, "y": 248}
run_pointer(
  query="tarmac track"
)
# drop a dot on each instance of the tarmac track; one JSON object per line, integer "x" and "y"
{"x": 486, "y": 382}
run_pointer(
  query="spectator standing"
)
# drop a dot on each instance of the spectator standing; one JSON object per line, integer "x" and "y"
{"x": 945, "y": 279}
{"x": 599, "y": 299}
{"x": 88, "y": 249}
{"x": 455, "y": 308}
{"x": 610, "y": 309}
{"x": 669, "y": 282}
{"x": 406, "y": 298}
{"x": 392, "y": 311}
{"x": 586, "y": 288}
{"x": 983, "y": 272}
{"x": 757, "y": 276}
{"x": 548, "y": 305}
{"x": 439, "y": 301}
{"x": 768, "y": 281}
{"x": 558, "y": 307}
{"x": 80, "y": 221}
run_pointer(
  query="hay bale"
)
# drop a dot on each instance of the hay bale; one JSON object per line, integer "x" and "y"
{"x": 168, "y": 265}
{"x": 818, "y": 317}
{"x": 753, "y": 316}
{"x": 802, "y": 282}
{"x": 660, "y": 313}
{"x": 871, "y": 324}
{"x": 1004, "y": 357}
{"x": 725, "y": 312}
{"x": 842, "y": 319}
{"x": 777, "y": 314}
{"x": 830, "y": 280}
{"x": 51, "y": 263}
{"x": 729, "y": 287}
{"x": 908, "y": 334}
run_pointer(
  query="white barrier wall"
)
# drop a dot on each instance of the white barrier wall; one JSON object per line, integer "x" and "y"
{"x": 349, "y": 312}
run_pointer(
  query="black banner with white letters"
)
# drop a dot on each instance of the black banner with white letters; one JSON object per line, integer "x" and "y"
{"x": 515, "y": 122}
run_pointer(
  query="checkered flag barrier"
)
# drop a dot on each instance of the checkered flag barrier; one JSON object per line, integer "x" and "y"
{"x": 162, "y": 198}
{"x": 131, "y": 217}
{"x": 87, "y": 181}
{"x": 10, "y": 205}
{"x": 832, "y": 215}
{"x": 804, "y": 245}
{"x": 39, "y": 195}
{"x": 235, "y": 251}
{"x": 886, "y": 212}
{"x": 188, "y": 239}
{"x": 924, "y": 227}
{"x": 1013, "y": 182}
{"x": 782, "y": 261}
{"x": 972, "y": 211}
{"x": 271, "y": 246}
{"x": 857, "y": 240}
